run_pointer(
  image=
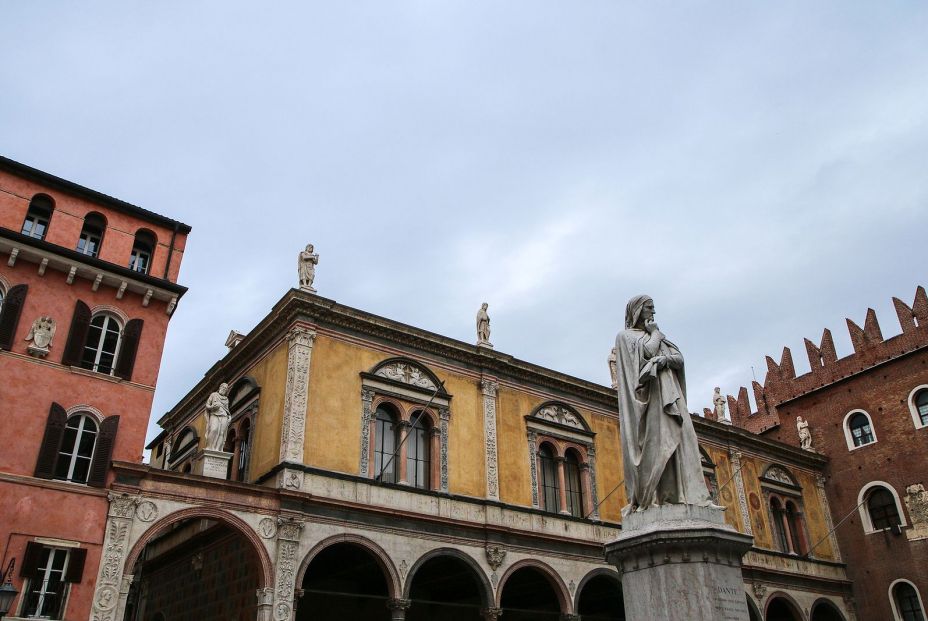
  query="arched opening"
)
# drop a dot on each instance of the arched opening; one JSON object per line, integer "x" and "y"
{"x": 38, "y": 216}
{"x": 753, "y": 612}
{"x": 142, "y": 251}
{"x": 91, "y": 237}
{"x": 344, "y": 581}
{"x": 528, "y": 595}
{"x": 601, "y": 599}
{"x": 781, "y": 609}
{"x": 445, "y": 587}
{"x": 196, "y": 568}
{"x": 823, "y": 610}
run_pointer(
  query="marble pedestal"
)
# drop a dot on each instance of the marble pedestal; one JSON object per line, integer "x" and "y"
{"x": 213, "y": 464}
{"x": 681, "y": 563}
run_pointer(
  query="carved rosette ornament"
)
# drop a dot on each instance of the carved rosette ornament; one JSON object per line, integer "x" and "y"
{"x": 490, "y": 388}
{"x": 288, "y": 544}
{"x": 300, "y": 348}
{"x": 495, "y": 556}
{"x": 112, "y": 585}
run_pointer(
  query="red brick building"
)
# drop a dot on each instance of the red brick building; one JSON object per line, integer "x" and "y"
{"x": 868, "y": 413}
{"x": 88, "y": 284}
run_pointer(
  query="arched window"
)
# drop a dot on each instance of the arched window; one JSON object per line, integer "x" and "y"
{"x": 142, "y": 251}
{"x": 77, "y": 445}
{"x": 708, "y": 474}
{"x": 881, "y": 507}
{"x": 418, "y": 454}
{"x": 906, "y": 601}
{"x": 779, "y": 524}
{"x": 859, "y": 429}
{"x": 574, "y": 484}
{"x": 91, "y": 234}
{"x": 918, "y": 403}
{"x": 784, "y": 500}
{"x": 102, "y": 344}
{"x": 37, "y": 218}
{"x": 549, "y": 488}
{"x": 385, "y": 445}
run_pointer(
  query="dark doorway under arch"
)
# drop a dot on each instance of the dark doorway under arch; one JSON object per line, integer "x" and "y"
{"x": 780, "y": 609}
{"x": 198, "y": 569}
{"x": 344, "y": 581}
{"x": 825, "y": 611}
{"x": 601, "y": 599}
{"x": 529, "y": 596}
{"x": 446, "y": 588}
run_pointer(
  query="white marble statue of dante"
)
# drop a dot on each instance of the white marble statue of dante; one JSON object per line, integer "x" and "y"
{"x": 659, "y": 448}
{"x": 306, "y": 265}
{"x": 217, "y": 418}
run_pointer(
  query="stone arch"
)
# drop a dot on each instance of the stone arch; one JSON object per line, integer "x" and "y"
{"x": 466, "y": 558}
{"x": 380, "y": 556}
{"x": 230, "y": 519}
{"x": 791, "y": 603}
{"x": 826, "y": 604}
{"x": 560, "y": 589}
{"x": 601, "y": 571}
{"x": 408, "y": 371}
{"x": 753, "y": 608}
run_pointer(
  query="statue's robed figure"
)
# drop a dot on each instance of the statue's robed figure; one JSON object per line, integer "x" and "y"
{"x": 659, "y": 447}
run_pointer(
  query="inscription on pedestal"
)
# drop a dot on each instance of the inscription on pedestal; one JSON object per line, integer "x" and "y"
{"x": 729, "y": 603}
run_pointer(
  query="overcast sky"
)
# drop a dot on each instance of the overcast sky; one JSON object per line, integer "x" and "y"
{"x": 760, "y": 169}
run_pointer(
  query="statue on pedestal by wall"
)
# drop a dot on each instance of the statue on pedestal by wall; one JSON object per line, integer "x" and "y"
{"x": 659, "y": 446}
{"x": 613, "y": 369}
{"x": 217, "y": 418}
{"x": 805, "y": 436}
{"x": 719, "y": 402}
{"x": 306, "y": 266}
{"x": 483, "y": 326}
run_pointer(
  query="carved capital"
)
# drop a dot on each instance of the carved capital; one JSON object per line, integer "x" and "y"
{"x": 495, "y": 556}
{"x": 489, "y": 387}
{"x": 289, "y": 529}
{"x": 122, "y": 505}
{"x": 367, "y": 395}
{"x": 398, "y": 603}
{"x": 299, "y": 335}
{"x": 444, "y": 413}
{"x": 491, "y": 614}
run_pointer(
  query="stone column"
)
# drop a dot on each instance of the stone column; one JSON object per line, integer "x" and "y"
{"x": 587, "y": 489}
{"x": 109, "y": 598}
{"x": 444, "y": 414}
{"x": 738, "y": 481}
{"x": 300, "y": 348}
{"x": 491, "y": 614}
{"x": 367, "y": 397}
{"x": 265, "y": 604}
{"x": 681, "y": 563}
{"x": 490, "y": 389}
{"x": 434, "y": 451}
{"x": 562, "y": 486}
{"x": 398, "y": 608}
{"x": 288, "y": 545}
{"x": 402, "y": 455}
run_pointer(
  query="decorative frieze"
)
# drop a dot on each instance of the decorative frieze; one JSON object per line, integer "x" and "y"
{"x": 742, "y": 497}
{"x": 490, "y": 389}
{"x": 594, "y": 494}
{"x": 288, "y": 545}
{"x": 367, "y": 397}
{"x": 300, "y": 347}
{"x": 533, "y": 464}
{"x": 444, "y": 414}
{"x": 111, "y": 585}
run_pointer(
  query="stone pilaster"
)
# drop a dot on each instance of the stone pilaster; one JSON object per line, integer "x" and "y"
{"x": 288, "y": 546}
{"x": 367, "y": 398}
{"x": 444, "y": 414}
{"x": 490, "y": 389}
{"x": 109, "y": 598}
{"x": 265, "y": 604}
{"x": 533, "y": 465}
{"x": 594, "y": 493}
{"x": 829, "y": 524}
{"x": 738, "y": 480}
{"x": 292, "y": 433}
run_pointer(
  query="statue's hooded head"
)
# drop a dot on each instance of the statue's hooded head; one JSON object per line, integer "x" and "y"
{"x": 633, "y": 310}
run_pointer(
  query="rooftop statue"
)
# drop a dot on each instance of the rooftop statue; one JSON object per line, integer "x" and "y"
{"x": 306, "y": 265}
{"x": 659, "y": 447}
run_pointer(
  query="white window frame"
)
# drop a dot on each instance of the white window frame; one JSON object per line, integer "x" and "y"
{"x": 99, "y": 349}
{"x": 72, "y": 459}
{"x": 913, "y": 409}
{"x": 849, "y": 437}
{"x": 65, "y": 587}
{"x": 865, "y": 512}
{"x": 892, "y": 599}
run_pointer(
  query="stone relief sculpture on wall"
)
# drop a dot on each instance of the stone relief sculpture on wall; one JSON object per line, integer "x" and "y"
{"x": 659, "y": 446}
{"x": 805, "y": 436}
{"x": 41, "y": 334}
{"x": 217, "y": 418}
{"x": 306, "y": 265}
{"x": 560, "y": 415}
{"x": 483, "y": 326}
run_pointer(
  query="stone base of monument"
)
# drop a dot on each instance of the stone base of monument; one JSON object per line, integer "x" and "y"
{"x": 213, "y": 464}
{"x": 681, "y": 563}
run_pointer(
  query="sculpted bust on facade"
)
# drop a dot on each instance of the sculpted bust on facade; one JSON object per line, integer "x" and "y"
{"x": 659, "y": 446}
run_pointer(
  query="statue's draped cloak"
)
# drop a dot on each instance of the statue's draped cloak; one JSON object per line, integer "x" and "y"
{"x": 659, "y": 448}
